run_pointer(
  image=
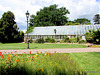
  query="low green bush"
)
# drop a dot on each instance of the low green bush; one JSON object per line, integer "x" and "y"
{"x": 81, "y": 41}
{"x": 73, "y": 40}
{"x": 47, "y": 39}
{"x": 65, "y": 40}
{"x": 50, "y": 40}
{"x": 30, "y": 41}
{"x": 40, "y": 40}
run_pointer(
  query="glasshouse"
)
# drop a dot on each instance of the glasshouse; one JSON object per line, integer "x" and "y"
{"x": 58, "y": 32}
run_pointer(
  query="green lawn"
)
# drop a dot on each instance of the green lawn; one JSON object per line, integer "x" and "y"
{"x": 7, "y": 46}
{"x": 89, "y": 61}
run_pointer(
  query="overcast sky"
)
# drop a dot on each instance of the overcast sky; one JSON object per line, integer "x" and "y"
{"x": 78, "y": 8}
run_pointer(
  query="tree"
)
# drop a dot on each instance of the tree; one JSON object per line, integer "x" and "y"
{"x": 82, "y": 21}
{"x": 97, "y": 19}
{"x": 70, "y": 23}
{"x": 49, "y": 16}
{"x": 8, "y": 28}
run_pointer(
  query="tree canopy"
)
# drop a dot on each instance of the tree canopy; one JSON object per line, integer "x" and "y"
{"x": 79, "y": 21}
{"x": 82, "y": 21}
{"x": 50, "y": 16}
{"x": 8, "y": 29}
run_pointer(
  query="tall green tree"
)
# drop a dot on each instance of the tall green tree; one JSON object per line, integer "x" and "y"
{"x": 50, "y": 16}
{"x": 8, "y": 28}
{"x": 82, "y": 21}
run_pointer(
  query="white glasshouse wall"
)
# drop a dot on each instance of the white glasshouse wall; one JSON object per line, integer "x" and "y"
{"x": 61, "y": 31}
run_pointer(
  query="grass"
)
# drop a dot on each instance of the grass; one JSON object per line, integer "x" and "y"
{"x": 39, "y": 64}
{"x": 89, "y": 61}
{"x": 11, "y": 46}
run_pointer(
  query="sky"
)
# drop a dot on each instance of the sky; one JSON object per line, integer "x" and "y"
{"x": 77, "y": 8}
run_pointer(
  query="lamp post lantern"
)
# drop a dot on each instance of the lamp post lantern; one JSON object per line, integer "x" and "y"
{"x": 27, "y": 16}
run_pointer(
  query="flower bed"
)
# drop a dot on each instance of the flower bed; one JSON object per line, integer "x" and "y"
{"x": 38, "y": 64}
{"x": 95, "y": 46}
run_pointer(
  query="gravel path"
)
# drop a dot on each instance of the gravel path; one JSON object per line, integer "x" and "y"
{"x": 67, "y": 50}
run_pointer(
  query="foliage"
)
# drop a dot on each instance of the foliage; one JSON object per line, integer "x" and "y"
{"x": 55, "y": 31}
{"x": 87, "y": 23}
{"x": 93, "y": 36}
{"x": 30, "y": 41}
{"x": 49, "y": 16}
{"x": 30, "y": 29}
{"x": 50, "y": 40}
{"x": 8, "y": 29}
{"x": 47, "y": 39}
{"x": 95, "y": 46}
{"x": 78, "y": 38}
{"x": 82, "y": 20}
{"x": 65, "y": 39}
{"x": 81, "y": 41}
{"x": 40, "y": 40}
{"x": 76, "y": 23}
{"x": 73, "y": 40}
{"x": 69, "y": 23}
{"x": 39, "y": 64}
{"x": 97, "y": 19}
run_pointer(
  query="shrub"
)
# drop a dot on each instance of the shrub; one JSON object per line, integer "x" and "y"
{"x": 93, "y": 36}
{"x": 81, "y": 41}
{"x": 69, "y": 23}
{"x": 73, "y": 40}
{"x": 76, "y": 23}
{"x": 65, "y": 39}
{"x": 50, "y": 40}
{"x": 30, "y": 41}
{"x": 95, "y": 46}
{"x": 40, "y": 40}
{"x": 47, "y": 39}
{"x": 62, "y": 41}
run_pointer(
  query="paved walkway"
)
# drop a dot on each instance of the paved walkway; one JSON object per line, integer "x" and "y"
{"x": 67, "y": 50}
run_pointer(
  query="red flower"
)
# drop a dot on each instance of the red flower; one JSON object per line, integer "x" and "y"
{"x": 55, "y": 51}
{"x": 2, "y": 56}
{"x": 24, "y": 52}
{"x": 15, "y": 54}
{"x": 11, "y": 52}
{"x": 15, "y": 51}
{"x": 0, "y": 53}
{"x": 8, "y": 58}
{"x": 20, "y": 54}
{"x": 30, "y": 52}
{"x": 32, "y": 56}
{"x": 37, "y": 52}
{"x": 41, "y": 52}
{"x": 17, "y": 60}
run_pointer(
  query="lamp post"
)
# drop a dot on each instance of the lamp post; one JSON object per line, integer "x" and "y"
{"x": 27, "y": 16}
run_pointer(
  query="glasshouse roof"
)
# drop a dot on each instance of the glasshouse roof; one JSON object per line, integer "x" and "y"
{"x": 64, "y": 30}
